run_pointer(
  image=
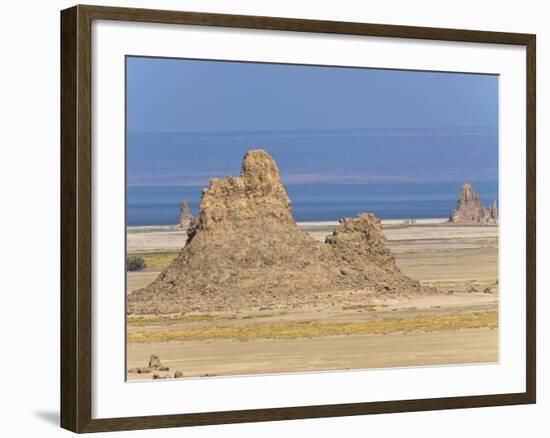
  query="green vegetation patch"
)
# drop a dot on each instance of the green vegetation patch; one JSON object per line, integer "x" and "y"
{"x": 135, "y": 263}
{"x": 368, "y": 307}
{"x": 142, "y": 321}
{"x": 155, "y": 260}
{"x": 311, "y": 329}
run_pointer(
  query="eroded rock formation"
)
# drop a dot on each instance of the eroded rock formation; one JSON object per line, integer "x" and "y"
{"x": 245, "y": 251}
{"x": 469, "y": 209}
{"x": 154, "y": 365}
{"x": 185, "y": 215}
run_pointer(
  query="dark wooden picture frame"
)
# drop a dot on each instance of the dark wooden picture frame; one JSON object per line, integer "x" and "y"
{"x": 76, "y": 218}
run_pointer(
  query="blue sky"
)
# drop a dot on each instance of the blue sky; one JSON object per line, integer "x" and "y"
{"x": 169, "y": 95}
{"x": 191, "y": 120}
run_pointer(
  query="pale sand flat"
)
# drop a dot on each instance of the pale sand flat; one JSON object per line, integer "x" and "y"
{"x": 449, "y": 257}
{"x": 317, "y": 354}
{"x": 151, "y": 239}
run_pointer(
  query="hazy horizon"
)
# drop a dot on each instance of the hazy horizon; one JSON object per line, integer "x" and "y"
{"x": 192, "y": 120}
{"x": 314, "y": 156}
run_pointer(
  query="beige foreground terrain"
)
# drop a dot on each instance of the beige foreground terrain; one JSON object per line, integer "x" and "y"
{"x": 457, "y": 325}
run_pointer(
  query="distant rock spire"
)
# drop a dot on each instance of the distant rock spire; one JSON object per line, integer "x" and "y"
{"x": 494, "y": 211}
{"x": 185, "y": 215}
{"x": 469, "y": 209}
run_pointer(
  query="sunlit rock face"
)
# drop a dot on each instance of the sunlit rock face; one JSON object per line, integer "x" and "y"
{"x": 244, "y": 251}
{"x": 469, "y": 209}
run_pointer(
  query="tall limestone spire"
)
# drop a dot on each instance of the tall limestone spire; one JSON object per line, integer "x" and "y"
{"x": 469, "y": 209}
{"x": 245, "y": 251}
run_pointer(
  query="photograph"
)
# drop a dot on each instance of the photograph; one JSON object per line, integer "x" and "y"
{"x": 286, "y": 218}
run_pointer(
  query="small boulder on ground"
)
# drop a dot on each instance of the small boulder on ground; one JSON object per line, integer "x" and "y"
{"x": 156, "y": 364}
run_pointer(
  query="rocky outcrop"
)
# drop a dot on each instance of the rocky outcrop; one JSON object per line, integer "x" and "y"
{"x": 185, "y": 215}
{"x": 362, "y": 252}
{"x": 469, "y": 209}
{"x": 154, "y": 365}
{"x": 493, "y": 212}
{"x": 245, "y": 251}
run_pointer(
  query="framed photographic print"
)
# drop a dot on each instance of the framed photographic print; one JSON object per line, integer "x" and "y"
{"x": 270, "y": 218}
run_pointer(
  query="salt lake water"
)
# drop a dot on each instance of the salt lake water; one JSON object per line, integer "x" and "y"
{"x": 328, "y": 174}
{"x": 159, "y": 205}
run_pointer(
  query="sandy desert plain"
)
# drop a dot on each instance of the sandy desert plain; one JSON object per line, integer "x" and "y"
{"x": 459, "y": 325}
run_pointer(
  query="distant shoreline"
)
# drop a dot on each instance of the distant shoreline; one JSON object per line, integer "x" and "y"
{"x": 301, "y": 224}
{"x": 395, "y": 202}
